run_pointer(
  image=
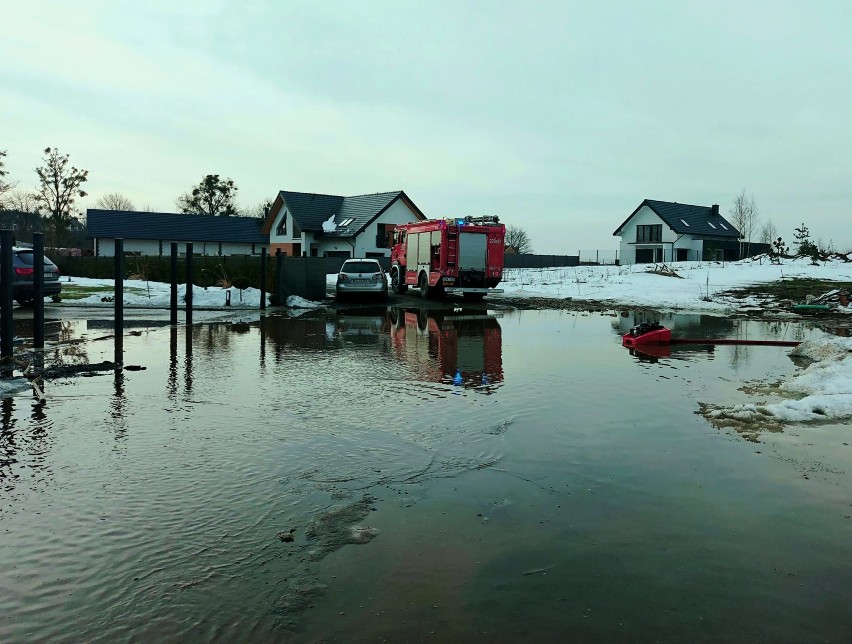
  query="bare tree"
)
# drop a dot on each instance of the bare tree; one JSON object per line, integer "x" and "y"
{"x": 5, "y": 186}
{"x": 744, "y": 218}
{"x": 769, "y": 233}
{"x": 59, "y": 186}
{"x": 259, "y": 210}
{"x": 212, "y": 196}
{"x": 114, "y": 201}
{"x": 22, "y": 201}
{"x": 22, "y": 214}
{"x": 518, "y": 240}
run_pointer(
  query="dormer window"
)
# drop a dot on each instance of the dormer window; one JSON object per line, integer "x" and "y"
{"x": 282, "y": 227}
{"x": 346, "y": 222}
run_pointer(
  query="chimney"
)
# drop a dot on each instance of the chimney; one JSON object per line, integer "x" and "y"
{"x": 714, "y": 210}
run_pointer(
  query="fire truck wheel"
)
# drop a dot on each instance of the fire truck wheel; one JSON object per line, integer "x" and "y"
{"x": 396, "y": 283}
{"x": 424, "y": 286}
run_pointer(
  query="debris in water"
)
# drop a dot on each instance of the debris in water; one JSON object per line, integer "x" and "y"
{"x": 287, "y": 537}
{"x": 334, "y": 528}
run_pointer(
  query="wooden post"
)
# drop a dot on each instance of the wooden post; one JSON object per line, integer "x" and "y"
{"x": 173, "y": 300}
{"x": 7, "y": 323}
{"x": 263, "y": 278}
{"x": 38, "y": 290}
{"x": 119, "y": 302}
{"x": 189, "y": 283}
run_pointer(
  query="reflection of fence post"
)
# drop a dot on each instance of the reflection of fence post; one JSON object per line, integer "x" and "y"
{"x": 118, "y": 325}
{"x": 189, "y": 283}
{"x": 7, "y": 324}
{"x": 173, "y": 300}
{"x": 38, "y": 290}
{"x": 263, "y": 278}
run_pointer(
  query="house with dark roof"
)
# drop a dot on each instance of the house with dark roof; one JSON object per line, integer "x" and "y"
{"x": 665, "y": 231}
{"x": 151, "y": 233}
{"x": 316, "y": 225}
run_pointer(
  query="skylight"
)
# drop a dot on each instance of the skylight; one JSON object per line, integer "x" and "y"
{"x": 711, "y": 225}
{"x": 346, "y": 221}
{"x": 683, "y": 221}
{"x": 723, "y": 225}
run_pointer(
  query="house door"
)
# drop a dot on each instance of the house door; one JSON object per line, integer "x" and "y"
{"x": 297, "y": 250}
{"x": 682, "y": 254}
{"x": 649, "y": 255}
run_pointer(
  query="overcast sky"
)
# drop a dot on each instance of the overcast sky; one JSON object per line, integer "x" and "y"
{"x": 560, "y": 117}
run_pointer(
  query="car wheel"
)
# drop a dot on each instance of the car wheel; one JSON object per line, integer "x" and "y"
{"x": 23, "y": 301}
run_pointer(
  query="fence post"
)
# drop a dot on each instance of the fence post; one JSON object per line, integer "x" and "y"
{"x": 118, "y": 324}
{"x": 38, "y": 290}
{"x": 173, "y": 300}
{"x": 279, "y": 270}
{"x": 263, "y": 278}
{"x": 189, "y": 284}
{"x": 7, "y": 324}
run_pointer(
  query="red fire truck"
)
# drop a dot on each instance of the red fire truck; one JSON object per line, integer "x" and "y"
{"x": 457, "y": 256}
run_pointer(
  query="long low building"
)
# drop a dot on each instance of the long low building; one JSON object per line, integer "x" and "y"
{"x": 151, "y": 233}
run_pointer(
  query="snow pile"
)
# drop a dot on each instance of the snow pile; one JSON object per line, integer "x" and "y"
{"x": 296, "y": 302}
{"x": 821, "y": 392}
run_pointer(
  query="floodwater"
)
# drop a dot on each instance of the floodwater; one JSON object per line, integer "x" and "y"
{"x": 401, "y": 475}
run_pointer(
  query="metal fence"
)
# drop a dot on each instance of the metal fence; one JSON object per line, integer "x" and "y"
{"x": 528, "y": 260}
{"x": 598, "y": 257}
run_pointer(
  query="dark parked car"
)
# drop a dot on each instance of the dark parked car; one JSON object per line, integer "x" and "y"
{"x": 22, "y": 276}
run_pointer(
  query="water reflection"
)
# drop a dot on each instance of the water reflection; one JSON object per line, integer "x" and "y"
{"x": 461, "y": 348}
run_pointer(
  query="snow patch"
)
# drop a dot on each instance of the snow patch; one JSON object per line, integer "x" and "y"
{"x": 328, "y": 226}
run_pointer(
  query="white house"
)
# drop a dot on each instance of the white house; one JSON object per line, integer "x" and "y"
{"x": 151, "y": 233}
{"x": 665, "y": 231}
{"x": 314, "y": 225}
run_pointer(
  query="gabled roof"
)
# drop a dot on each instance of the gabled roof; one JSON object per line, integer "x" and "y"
{"x": 311, "y": 210}
{"x": 701, "y": 221}
{"x": 167, "y": 226}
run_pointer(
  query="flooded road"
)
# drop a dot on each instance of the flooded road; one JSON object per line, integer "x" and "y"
{"x": 399, "y": 474}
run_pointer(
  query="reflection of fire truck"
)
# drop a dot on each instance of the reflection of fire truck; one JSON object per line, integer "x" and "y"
{"x": 460, "y": 348}
{"x": 463, "y": 255}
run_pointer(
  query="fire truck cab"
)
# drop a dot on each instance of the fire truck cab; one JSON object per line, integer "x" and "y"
{"x": 461, "y": 255}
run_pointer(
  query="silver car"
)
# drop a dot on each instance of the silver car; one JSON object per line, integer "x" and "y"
{"x": 361, "y": 277}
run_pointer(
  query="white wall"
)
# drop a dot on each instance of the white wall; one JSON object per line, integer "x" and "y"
{"x": 274, "y": 237}
{"x": 106, "y": 247}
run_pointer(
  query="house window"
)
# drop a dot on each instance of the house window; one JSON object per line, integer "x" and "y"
{"x": 282, "y": 227}
{"x": 652, "y": 233}
{"x": 252, "y": 248}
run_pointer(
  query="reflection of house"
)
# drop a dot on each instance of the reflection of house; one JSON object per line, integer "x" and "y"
{"x": 150, "y": 233}
{"x": 301, "y": 223}
{"x": 662, "y": 231}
